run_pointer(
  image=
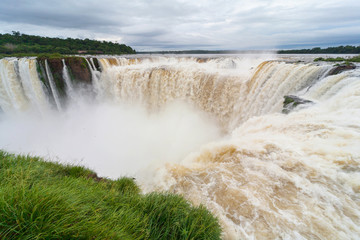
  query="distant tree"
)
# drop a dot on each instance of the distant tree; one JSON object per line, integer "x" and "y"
{"x": 16, "y": 34}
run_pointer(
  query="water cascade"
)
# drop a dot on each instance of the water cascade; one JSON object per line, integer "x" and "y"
{"x": 218, "y": 88}
{"x": 266, "y": 175}
{"x": 95, "y": 76}
{"x": 69, "y": 86}
{"x": 52, "y": 85}
{"x": 12, "y": 94}
{"x": 33, "y": 87}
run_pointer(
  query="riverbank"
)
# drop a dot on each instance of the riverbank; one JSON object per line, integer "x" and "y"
{"x": 43, "y": 200}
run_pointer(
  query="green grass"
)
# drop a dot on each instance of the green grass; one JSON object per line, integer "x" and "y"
{"x": 44, "y": 200}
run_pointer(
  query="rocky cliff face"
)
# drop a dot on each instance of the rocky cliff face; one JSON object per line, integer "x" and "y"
{"x": 56, "y": 67}
{"x": 77, "y": 68}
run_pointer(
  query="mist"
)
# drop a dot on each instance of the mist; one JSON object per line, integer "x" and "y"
{"x": 113, "y": 140}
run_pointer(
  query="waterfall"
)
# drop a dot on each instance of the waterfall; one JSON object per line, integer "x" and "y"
{"x": 33, "y": 87}
{"x": 95, "y": 76}
{"x": 264, "y": 174}
{"x": 12, "y": 94}
{"x": 52, "y": 86}
{"x": 69, "y": 87}
{"x": 92, "y": 65}
{"x": 231, "y": 98}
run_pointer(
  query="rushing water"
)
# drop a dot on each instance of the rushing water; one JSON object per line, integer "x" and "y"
{"x": 210, "y": 129}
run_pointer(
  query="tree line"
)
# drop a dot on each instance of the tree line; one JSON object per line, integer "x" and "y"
{"x": 17, "y": 43}
{"x": 336, "y": 50}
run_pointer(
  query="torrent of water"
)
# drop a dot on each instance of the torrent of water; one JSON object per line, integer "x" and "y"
{"x": 52, "y": 85}
{"x": 12, "y": 96}
{"x": 95, "y": 76}
{"x": 266, "y": 175}
{"x": 69, "y": 86}
{"x": 221, "y": 88}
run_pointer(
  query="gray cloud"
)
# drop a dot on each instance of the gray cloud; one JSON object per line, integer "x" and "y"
{"x": 188, "y": 24}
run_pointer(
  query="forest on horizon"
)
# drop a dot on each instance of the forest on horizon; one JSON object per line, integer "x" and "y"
{"x": 348, "y": 49}
{"x": 19, "y": 43}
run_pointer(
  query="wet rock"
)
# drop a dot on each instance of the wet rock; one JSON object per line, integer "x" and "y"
{"x": 56, "y": 66}
{"x": 78, "y": 69}
{"x": 96, "y": 63}
{"x": 341, "y": 68}
{"x": 291, "y": 102}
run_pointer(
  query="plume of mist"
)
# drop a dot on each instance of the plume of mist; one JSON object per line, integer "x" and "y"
{"x": 113, "y": 140}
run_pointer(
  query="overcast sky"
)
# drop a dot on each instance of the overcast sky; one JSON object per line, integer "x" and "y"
{"x": 190, "y": 24}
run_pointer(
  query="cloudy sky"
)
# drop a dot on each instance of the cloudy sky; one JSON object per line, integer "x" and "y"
{"x": 190, "y": 24}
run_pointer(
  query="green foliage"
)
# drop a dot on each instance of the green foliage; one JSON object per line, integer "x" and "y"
{"x": 50, "y": 56}
{"x": 44, "y": 200}
{"x": 318, "y": 59}
{"x": 288, "y": 100}
{"x": 353, "y": 59}
{"x": 17, "y": 43}
{"x": 84, "y": 64}
{"x": 339, "y": 59}
{"x": 336, "y": 50}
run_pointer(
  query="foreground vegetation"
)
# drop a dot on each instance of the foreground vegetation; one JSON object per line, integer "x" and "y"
{"x": 25, "y": 45}
{"x": 44, "y": 200}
